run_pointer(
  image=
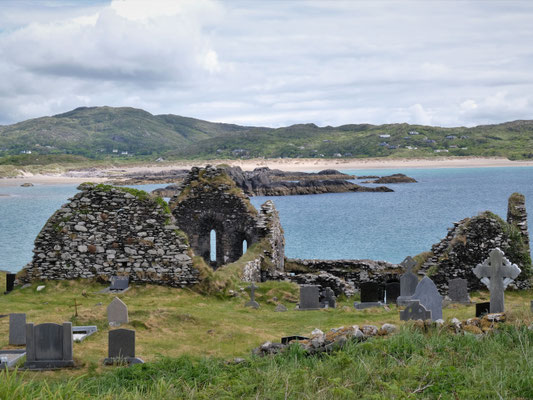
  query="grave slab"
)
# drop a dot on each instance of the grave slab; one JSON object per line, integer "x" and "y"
{"x": 48, "y": 346}
{"x": 80, "y": 333}
{"x": 121, "y": 348}
{"x": 309, "y": 297}
{"x": 415, "y": 311}
{"x": 10, "y": 358}
{"x": 119, "y": 284}
{"x": 458, "y": 291}
{"x": 371, "y": 292}
{"x": 17, "y": 329}
{"x": 429, "y": 297}
{"x": 392, "y": 292}
{"x": 369, "y": 304}
{"x": 482, "y": 309}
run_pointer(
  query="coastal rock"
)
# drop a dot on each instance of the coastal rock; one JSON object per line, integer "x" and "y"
{"x": 395, "y": 178}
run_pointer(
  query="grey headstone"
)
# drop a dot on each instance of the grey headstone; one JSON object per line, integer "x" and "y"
{"x": 408, "y": 281}
{"x": 309, "y": 297}
{"x": 10, "y": 282}
{"x": 329, "y": 298}
{"x": 371, "y": 292}
{"x": 392, "y": 292}
{"x": 416, "y": 311}
{"x": 482, "y": 309}
{"x": 121, "y": 347}
{"x": 252, "y": 303}
{"x": 531, "y": 306}
{"x": 119, "y": 282}
{"x": 496, "y": 272}
{"x": 429, "y": 297}
{"x": 49, "y": 346}
{"x": 17, "y": 329}
{"x": 117, "y": 312}
{"x": 458, "y": 290}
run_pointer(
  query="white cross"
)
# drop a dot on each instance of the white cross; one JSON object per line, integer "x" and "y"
{"x": 496, "y": 272}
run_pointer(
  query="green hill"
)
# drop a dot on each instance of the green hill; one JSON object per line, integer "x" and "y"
{"x": 106, "y": 133}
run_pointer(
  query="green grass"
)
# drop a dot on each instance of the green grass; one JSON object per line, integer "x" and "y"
{"x": 186, "y": 337}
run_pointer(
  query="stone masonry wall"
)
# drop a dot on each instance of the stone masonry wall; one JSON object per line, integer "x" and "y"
{"x": 106, "y": 231}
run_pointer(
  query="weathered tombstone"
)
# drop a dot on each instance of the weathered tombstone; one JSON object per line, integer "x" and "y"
{"x": 371, "y": 292}
{"x": 8, "y": 358}
{"x": 408, "y": 281}
{"x": 458, "y": 290}
{"x": 392, "y": 292}
{"x": 372, "y": 295}
{"x": 531, "y": 306}
{"x": 416, "y": 311}
{"x": 80, "y": 333}
{"x": 49, "y": 346}
{"x": 10, "y": 282}
{"x": 482, "y": 309}
{"x": 309, "y": 297}
{"x": 17, "y": 329}
{"x": 429, "y": 297}
{"x": 119, "y": 283}
{"x": 252, "y": 303}
{"x": 496, "y": 272}
{"x": 329, "y": 298}
{"x": 121, "y": 347}
{"x": 117, "y": 312}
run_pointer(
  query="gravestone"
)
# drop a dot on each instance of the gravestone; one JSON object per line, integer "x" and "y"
{"x": 119, "y": 283}
{"x": 392, "y": 292}
{"x": 458, "y": 290}
{"x": 372, "y": 295}
{"x": 329, "y": 298}
{"x": 482, "y": 309}
{"x": 531, "y": 306}
{"x": 49, "y": 346}
{"x": 117, "y": 312}
{"x": 416, "y": 311}
{"x": 496, "y": 272}
{"x": 10, "y": 282}
{"x": 252, "y": 303}
{"x": 429, "y": 297}
{"x": 9, "y": 358}
{"x": 80, "y": 333}
{"x": 17, "y": 329}
{"x": 408, "y": 281}
{"x": 309, "y": 297}
{"x": 121, "y": 347}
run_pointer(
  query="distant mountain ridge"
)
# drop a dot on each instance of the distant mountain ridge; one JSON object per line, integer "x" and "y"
{"x": 105, "y": 132}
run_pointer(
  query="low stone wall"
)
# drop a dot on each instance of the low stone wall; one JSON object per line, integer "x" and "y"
{"x": 105, "y": 231}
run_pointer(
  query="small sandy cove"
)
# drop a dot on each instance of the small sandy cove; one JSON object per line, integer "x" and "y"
{"x": 101, "y": 175}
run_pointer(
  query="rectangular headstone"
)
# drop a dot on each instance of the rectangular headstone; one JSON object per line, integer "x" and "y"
{"x": 121, "y": 347}
{"x": 117, "y": 312}
{"x": 392, "y": 292}
{"x": 329, "y": 299}
{"x": 531, "y": 306}
{"x": 49, "y": 346}
{"x": 10, "y": 282}
{"x": 119, "y": 282}
{"x": 371, "y": 292}
{"x": 458, "y": 290}
{"x": 415, "y": 311}
{"x": 482, "y": 309}
{"x": 17, "y": 329}
{"x": 309, "y": 297}
{"x": 429, "y": 297}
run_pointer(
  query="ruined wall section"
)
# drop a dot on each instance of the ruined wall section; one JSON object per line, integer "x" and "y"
{"x": 517, "y": 215}
{"x": 105, "y": 231}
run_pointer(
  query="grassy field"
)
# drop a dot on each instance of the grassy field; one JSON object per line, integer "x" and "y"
{"x": 187, "y": 337}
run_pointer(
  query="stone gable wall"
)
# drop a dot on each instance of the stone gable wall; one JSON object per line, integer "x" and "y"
{"x": 105, "y": 231}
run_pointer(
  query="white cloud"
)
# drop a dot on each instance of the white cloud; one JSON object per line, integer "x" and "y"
{"x": 250, "y": 62}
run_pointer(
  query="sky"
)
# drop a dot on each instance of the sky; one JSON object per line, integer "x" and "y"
{"x": 271, "y": 63}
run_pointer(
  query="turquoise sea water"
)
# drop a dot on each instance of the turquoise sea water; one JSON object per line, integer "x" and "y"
{"x": 380, "y": 226}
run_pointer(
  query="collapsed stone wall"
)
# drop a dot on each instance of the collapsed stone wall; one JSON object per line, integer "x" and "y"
{"x": 469, "y": 243}
{"x": 209, "y": 199}
{"x": 105, "y": 231}
{"x": 342, "y": 276}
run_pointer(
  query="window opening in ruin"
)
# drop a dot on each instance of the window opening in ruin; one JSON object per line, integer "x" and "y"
{"x": 213, "y": 241}
{"x": 244, "y": 246}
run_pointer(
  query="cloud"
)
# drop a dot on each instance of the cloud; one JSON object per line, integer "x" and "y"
{"x": 250, "y": 62}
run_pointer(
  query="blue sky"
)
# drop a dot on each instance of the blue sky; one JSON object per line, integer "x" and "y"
{"x": 271, "y": 63}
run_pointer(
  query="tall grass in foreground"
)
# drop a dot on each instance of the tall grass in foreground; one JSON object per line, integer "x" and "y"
{"x": 407, "y": 365}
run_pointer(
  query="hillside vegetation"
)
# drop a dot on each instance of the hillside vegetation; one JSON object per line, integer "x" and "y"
{"x": 102, "y": 133}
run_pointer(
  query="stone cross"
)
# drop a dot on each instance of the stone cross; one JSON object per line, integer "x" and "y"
{"x": 408, "y": 281}
{"x": 496, "y": 272}
{"x": 252, "y": 302}
{"x": 409, "y": 263}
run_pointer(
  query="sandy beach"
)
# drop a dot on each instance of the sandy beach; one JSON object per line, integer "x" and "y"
{"x": 306, "y": 165}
